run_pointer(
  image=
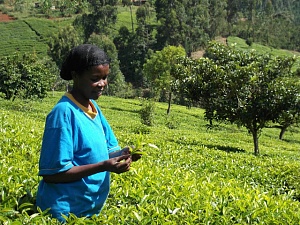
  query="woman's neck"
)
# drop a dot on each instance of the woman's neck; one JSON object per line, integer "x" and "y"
{"x": 83, "y": 101}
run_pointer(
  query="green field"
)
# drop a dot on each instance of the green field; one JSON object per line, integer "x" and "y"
{"x": 197, "y": 176}
{"x": 28, "y": 35}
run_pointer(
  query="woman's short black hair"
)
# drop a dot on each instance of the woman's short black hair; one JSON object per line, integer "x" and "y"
{"x": 81, "y": 58}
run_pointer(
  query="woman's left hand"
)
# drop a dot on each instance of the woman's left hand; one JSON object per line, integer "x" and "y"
{"x": 134, "y": 157}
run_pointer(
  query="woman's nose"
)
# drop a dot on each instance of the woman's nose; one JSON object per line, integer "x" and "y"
{"x": 102, "y": 83}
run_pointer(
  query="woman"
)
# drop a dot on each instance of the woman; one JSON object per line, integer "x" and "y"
{"x": 79, "y": 148}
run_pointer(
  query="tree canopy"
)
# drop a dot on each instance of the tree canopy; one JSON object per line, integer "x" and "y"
{"x": 158, "y": 70}
{"x": 240, "y": 87}
{"x": 24, "y": 76}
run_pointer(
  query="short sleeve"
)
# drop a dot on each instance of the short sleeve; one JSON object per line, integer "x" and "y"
{"x": 57, "y": 146}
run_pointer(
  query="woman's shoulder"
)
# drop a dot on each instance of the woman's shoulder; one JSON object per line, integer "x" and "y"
{"x": 63, "y": 107}
{"x": 60, "y": 113}
{"x": 63, "y": 104}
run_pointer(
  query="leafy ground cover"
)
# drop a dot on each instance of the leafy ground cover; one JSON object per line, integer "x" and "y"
{"x": 28, "y": 35}
{"x": 196, "y": 176}
{"x": 17, "y": 36}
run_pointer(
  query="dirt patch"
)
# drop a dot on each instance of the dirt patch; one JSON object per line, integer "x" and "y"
{"x": 199, "y": 54}
{"x": 222, "y": 40}
{"x": 5, "y": 17}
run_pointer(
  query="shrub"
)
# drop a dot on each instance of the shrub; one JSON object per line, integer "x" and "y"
{"x": 24, "y": 76}
{"x": 147, "y": 112}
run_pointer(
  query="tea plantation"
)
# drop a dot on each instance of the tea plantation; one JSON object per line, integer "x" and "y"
{"x": 27, "y": 35}
{"x": 195, "y": 176}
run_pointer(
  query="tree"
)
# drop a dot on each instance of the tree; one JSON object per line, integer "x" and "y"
{"x": 194, "y": 80}
{"x": 133, "y": 47}
{"x": 157, "y": 70}
{"x": 24, "y": 76}
{"x": 291, "y": 116}
{"x": 170, "y": 15}
{"x": 116, "y": 81}
{"x": 122, "y": 43}
{"x": 197, "y": 23}
{"x": 62, "y": 43}
{"x": 217, "y": 18}
{"x": 101, "y": 20}
{"x": 187, "y": 23}
{"x": 248, "y": 89}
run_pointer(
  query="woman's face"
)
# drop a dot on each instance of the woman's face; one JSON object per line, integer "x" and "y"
{"x": 90, "y": 84}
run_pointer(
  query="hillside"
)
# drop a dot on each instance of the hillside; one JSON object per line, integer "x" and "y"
{"x": 26, "y": 35}
{"x": 31, "y": 34}
{"x": 197, "y": 175}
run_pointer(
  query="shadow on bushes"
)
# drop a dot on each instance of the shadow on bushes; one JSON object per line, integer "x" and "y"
{"x": 225, "y": 148}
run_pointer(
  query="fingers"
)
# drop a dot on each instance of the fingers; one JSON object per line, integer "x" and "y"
{"x": 122, "y": 157}
{"x": 122, "y": 164}
{"x": 126, "y": 151}
{"x": 135, "y": 157}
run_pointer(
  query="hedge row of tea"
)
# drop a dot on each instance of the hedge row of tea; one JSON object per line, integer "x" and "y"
{"x": 196, "y": 176}
{"x": 28, "y": 35}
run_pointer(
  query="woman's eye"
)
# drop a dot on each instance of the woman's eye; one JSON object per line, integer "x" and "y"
{"x": 98, "y": 79}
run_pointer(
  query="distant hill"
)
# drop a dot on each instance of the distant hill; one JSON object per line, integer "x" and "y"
{"x": 26, "y": 35}
{"x": 31, "y": 35}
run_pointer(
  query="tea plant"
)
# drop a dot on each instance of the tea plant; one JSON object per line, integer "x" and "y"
{"x": 193, "y": 176}
{"x": 147, "y": 112}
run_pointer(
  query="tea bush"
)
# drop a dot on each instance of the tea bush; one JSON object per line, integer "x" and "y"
{"x": 196, "y": 176}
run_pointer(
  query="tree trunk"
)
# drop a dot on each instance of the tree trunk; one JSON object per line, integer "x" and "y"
{"x": 255, "y": 141}
{"x": 130, "y": 7}
{"x": 282, "y": 131}
{"x": 169, "y": 103}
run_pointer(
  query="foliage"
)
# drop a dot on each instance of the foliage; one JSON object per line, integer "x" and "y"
{"x": 189, "y": 23}
{"x": 141, "y": 42}
{"x": 158, "y": 70}
{"x": 170, "y": 17}
{"x": 24, "y": 76}
{"x": 147, "y": 112}
{"x": 240, "y": 87}
{"x": 240, "y": 44}
{"x": 61, "y": 44}
{"x": 274, "y": 23}
{"x": 65, "y": 8}
{"x": 100, "y": 20}
{"x": 198, "y": 176}
{"x": 18, "y": 37}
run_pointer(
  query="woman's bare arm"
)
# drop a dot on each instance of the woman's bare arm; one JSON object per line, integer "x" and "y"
{"x": 78, "y": 172}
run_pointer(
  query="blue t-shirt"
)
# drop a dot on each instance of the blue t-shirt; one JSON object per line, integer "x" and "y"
{"x": 72, "y": 138}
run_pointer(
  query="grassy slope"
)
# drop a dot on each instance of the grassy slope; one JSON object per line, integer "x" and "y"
{"x": 197, "y": 175}
{"x": 27, "y": 35}
{"x": 261, "y": 49}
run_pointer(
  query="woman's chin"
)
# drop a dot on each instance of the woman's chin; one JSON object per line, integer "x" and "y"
{"x": 97, "y": 95}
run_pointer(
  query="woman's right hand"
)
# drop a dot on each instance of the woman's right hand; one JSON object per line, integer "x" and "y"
{"x": 119, "y": 164}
